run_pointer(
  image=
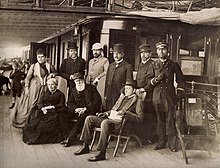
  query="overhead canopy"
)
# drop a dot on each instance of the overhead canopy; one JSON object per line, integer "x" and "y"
{"x": 203, "y": 17}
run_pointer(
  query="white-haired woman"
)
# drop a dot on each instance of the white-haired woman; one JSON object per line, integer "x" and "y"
{"x": 43, "y": 125}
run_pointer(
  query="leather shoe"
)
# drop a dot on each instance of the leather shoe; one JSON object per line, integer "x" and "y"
{"x": 82, "y": 151}
{"x": 158, "y": 147}
{"x": 66, "y": 143}
{"x": 96, "y": 158}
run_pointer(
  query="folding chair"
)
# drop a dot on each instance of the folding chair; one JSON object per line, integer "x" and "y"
{"x": 192, "y": 114}
{"x": 120, "y": 135}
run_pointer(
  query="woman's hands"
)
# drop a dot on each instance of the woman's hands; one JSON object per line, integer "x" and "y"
{"x": 46, "y": 108}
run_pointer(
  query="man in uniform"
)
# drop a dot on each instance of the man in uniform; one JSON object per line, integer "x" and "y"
{"x": 142, "y": 80}
{"x": 117, "y": 74}
{"x": 97, "y": 66}
{"x": 161, "y": 76}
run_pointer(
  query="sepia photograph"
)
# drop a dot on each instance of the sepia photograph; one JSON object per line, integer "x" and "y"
{"x": 110, "y": 83}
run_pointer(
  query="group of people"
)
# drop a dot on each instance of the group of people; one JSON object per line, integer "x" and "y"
{"x": 47, "y": 119}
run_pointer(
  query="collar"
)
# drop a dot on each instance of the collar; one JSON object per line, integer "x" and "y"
{"x": 163, "y": 60}
{"x": 118, "y": 62}
{"x": 128, "y": 97}
{"x": 144, "y": 62}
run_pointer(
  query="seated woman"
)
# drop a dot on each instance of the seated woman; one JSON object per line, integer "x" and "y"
{"x": 43, "y": 125}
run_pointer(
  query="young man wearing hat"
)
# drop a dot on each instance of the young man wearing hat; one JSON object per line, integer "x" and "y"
{"x": 117, "y": 74}
{"x": 164, "y": 97}
{"x": 71, "y": 65}
{"x": 142, "y": 81}
{"x": 84, "y": 100}
{"x": 97, "y": 66}
{"x": 128, "y": 105}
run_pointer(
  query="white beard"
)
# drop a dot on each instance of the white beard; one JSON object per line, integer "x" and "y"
{"x": 80, "y": 87}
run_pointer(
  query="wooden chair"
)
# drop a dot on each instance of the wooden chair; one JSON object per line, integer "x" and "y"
{"x": 120, "y": 135}
{"x": 192, "y": 113}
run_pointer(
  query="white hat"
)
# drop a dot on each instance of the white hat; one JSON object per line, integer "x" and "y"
{"x": 96, "y": 46}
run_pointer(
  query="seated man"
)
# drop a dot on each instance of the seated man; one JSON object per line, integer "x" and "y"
{"x": 128, "y": 106}
{"x": 84, "y": 100}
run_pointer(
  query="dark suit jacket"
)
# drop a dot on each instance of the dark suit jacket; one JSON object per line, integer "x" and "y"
{"x": 92, "y": 98}
{"x": 166, "y": 85}
{"x": 133, "y": 108}
{"x": 69, "y": 67}
{"x": 143, "y": 76}
{"x": 115, "y": 79}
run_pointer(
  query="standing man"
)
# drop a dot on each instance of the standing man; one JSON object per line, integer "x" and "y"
{"x": 128, "y": 106}
{"x": 117, "y": 74}
{"x": 71, "y": 65}
{"x": 164, "y": 97}
{"x": 97, "y": 66}
{"x": 142, "y": 81}
{"x": 84, "y": 100}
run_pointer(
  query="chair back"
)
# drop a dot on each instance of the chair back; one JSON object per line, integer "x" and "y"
{"x": 193, "y": 107}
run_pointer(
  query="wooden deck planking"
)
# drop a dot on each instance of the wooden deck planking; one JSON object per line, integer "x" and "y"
{"x": 8, "y": 146}
{"x": 16, "y": 154}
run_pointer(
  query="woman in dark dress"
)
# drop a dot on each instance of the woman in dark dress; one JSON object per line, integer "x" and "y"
{"x": 43, "y": 124}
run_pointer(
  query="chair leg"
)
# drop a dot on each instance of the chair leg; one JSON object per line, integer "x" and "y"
{"x": 93, "y": 140}
{"x": 126, "y": 144}
{"x": 117, "y": 145}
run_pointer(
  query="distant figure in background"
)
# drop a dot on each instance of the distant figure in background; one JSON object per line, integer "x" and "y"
{"x": 97, "y": 66}
{"x": 84, "y": 100}
{"x": 25, "y": 67}
{"x": 71, "y": 65}
{"x": 4, "y": 81}
{"x": 149, "y": 120}
{"x": 43, "y": 125}
{"x": 35, "y": 84}
{"x": 16, "y": 76}
{"x": 117, "y": 74}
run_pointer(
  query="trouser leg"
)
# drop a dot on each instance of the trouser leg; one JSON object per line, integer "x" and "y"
{"x": 90, "y": 123}
{"x": 107, "y": 126}
{"x": 77, "y": 127}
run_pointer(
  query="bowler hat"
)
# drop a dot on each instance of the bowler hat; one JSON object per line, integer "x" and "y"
{"x": 96, "y": 46}
{"x": 144, "y": 48}
{"x": 118, "y": 48}
{"x": 131, "y": 83}
{"x": 77, "y": 75}
{"x": 161, "y": 44}
{"x": 71, "y": 45}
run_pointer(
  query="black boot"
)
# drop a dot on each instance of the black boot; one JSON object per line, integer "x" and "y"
{"x": 100, "y": 156}
{"x": 83, "y": 150}
{"x": 66, "y": 142}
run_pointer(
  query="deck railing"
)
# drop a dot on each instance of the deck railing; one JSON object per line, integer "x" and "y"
{"x": 213, "y": 106}
{"x": 211, "y": 90}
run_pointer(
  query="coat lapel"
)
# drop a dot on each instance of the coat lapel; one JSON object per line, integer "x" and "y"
{"x": 127, "y": 105}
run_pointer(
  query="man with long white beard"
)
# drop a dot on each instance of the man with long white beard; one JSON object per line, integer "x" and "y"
{"x": 84, "y": 100}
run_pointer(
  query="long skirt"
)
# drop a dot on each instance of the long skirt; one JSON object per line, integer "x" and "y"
{"x": 25, "y": 103}
{"x": 42, "y": 128}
